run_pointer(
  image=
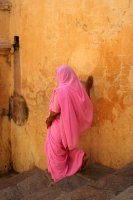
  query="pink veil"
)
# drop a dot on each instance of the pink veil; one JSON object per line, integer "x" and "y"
{"x": 76, "y": 107}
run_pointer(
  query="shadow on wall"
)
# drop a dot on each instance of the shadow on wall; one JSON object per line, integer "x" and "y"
{"x": 19, "y": 110}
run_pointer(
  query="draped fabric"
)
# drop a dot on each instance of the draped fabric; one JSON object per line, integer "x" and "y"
{"x": 76, "y": 112}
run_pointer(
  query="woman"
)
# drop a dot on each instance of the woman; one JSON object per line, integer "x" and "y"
{"x": 71, "y": 113}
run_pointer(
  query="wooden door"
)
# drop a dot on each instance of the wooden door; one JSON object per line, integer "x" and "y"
{"x": 5, "y": 74}
{"x": 5, "y": 124}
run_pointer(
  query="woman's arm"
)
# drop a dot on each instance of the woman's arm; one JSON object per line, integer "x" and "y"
{"x": 51, "y": 117}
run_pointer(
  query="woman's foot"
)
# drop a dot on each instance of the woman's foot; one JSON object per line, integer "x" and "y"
{"x": 51, "y": 183}
{"x": 84, "y": 164}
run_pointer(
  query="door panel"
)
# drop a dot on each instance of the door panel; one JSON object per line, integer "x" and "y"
{"x": 5, "y": 125}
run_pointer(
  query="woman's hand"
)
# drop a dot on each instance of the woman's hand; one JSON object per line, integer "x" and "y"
{"x": 51, "y": 117}
{"x": 48, "y": 122}
{"x": 89, "y": 84}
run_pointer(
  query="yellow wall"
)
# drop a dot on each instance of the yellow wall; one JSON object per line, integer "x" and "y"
{"x": 94, "y": 37}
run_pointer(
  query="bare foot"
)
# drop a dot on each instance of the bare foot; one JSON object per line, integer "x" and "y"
{"x": 84, "y": 164}
{"x": 51, "y": 184}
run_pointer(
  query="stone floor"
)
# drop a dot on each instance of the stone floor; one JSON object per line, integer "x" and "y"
{"x": 95, "y": 183}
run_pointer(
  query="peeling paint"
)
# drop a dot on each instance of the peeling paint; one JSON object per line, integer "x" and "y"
{"x": 94, "y": 38}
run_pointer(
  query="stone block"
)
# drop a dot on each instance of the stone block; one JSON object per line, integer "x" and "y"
{"x": 125, "y": 195}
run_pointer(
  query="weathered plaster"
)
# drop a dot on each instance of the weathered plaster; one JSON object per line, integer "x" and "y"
{"x": 94, "y": 38}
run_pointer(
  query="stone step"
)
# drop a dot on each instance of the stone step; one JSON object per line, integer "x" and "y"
{"x": 107, "y": 187}
{"x": 49, "y": 193}
{"x": 126, "y": 171}
{"x": 126, "y": 195}
{"x": 22, "y": 185}
{"x": 37, "y": 185}
{"x": 92, "y": 173}
{"x": 101, "y": 183}
{"x": 15, "y": 178}
{"x": 87, "y": 192}
{"x": 92, "y": 193}
{"x": 5, "y": 5}
{"x": 96, "y": 171}
{"x": 113, "y": 183}
{"x": 71, "y": 183}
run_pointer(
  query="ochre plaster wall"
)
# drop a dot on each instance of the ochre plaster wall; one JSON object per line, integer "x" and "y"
{"x": 94, "y": 37}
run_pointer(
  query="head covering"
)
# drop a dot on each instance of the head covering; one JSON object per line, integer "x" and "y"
{"x": 76, "y": 107}
{"x": 65, "y": 75}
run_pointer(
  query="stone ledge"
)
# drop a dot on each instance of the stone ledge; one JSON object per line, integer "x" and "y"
{"x": 125, "y": 195}
{"x": 5, "y": 5}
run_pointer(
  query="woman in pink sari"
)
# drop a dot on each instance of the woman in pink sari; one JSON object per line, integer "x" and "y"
{"x": 71, "y": 113}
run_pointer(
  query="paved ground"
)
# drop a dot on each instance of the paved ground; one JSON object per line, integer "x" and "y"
{"x": 126, "y": 195}
{"x": 96, "y": 183}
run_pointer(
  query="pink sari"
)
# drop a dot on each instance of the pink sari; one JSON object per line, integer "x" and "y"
{"x": 76, "y": 113}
